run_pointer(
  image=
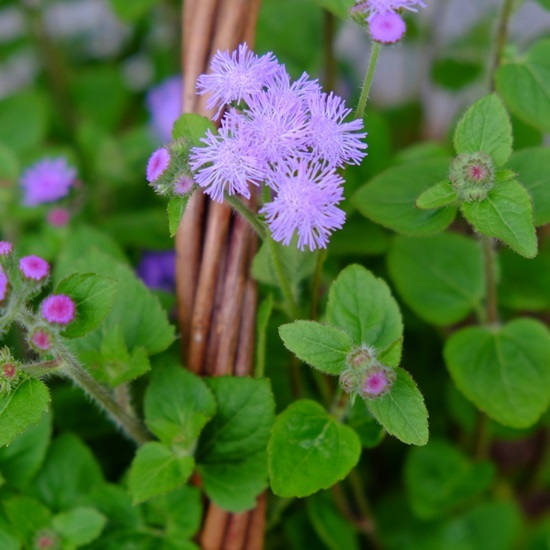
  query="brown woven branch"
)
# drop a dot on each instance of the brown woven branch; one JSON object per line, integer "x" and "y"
{"x": 216, "y": 294}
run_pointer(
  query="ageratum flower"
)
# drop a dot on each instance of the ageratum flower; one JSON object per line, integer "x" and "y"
{"x": 58, "y": 309}
{"x": 372, "y": 8}
{"x": 387, "y": 28}
{"x": 164, "y": 103}
{"x": 47, "y": 180}
{"x": 236, "y": 76}
{"x": 306, "y": 204}
{"x": 4, "y": 285}
{"x": 34, "y": 268}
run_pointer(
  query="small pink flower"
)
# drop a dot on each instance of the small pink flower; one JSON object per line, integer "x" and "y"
{"x": 183, "y": 185}
{"x": 378, "y": 380}
{"x": 4, "y": 285}
{"x": 59, "y": 309}
{"x": 387, "y": 28}
{"x": 157, "y": 164}
{"x": 5, "y": 248}
{"x": 34, "y": 267}
{"x": 58, "y": 217}
{"x": 41, "y": 339}
{"x": 9, "y": 371}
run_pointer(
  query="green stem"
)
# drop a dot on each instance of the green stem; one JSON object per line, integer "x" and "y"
{"x": 291, "y": 306}
{"x": 73, "y": 370}
{"x": 501, "y": 38}
{"x": 489, "y": 264}
{"x": 361, "y": 106}
{"x": 330, "y": 61}
{"x": 248, "y": 214}
{"x": 43, "y": 368}
{"x": 316, "y": 284}
{"x": 367, "y": 521}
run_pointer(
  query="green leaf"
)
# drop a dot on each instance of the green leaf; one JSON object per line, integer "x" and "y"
{"x": 533, "y": 169}
{"x": 390, "y": 198}
{"x": 309, "y": 450}
{"x": 7, "y": 542}
{"x": 525, "y": 86}
{"x": 402, "y": 411}
{"x": 79, "y": 526}
{"x": 231, "y": 453}
{"x": 340, "y": 8}
{"x": 24, "y": 119}
{"x": 544, "y": 3}
{"x": 505, "y": 371}
{"x": 440, "y": 194}
{"x": 21, "y": 408}
{"x": 156, "y": 470}
{"x": 488, "y": 526}
{"x": 26, "y": 516}
{"x": 440, "y": 478}
{"x": 362, "y": 305}
{"x": 9, "y": 164}
{"x": 69, "y": 472}
{"x": 93, "y": 296}
{"x": 177, "y": 406}
{"x": 332, "y": 528}
{"x": 114, "y": 503}
{"x": 321, "y": 346}
{"x": 506, "y": 214}
{"x": 441, "y": 278}
{"x": 21, "y": 459}
{"x": 132, "y": 11}
{"x": 192, "y": 127}
{"x": 455, "y": 74}
{"x": 176, "y": 209}
{"x": 485, "y": 127}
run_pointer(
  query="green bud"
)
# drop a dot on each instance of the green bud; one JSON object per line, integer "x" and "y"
{"x": 472, "y": 176}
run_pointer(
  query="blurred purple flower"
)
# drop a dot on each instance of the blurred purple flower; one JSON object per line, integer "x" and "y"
{"x": 4, "y": 285}
{"x": 47, "y": 180}
{"x": 164, "y": 102}
{"x": 158, "y": 270}
{"x": 387, "y": 28}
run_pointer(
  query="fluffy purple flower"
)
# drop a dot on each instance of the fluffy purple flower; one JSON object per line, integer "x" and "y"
{"x": 4, "y": 285}
{"x": 236, "y": 76}
{"x": 228, "y": 163}
{"x": 58, "y": 309}
{"x": 333, "y": 140}
{"x": 5, "y": 248}
{"x": 305, "y": 203}
{"x": 34, "y": 268}
{"x": 387, "y": 28}
{"x": 158, "y": 270}
{"x": 157, "y": 164}
{"x": 164, "y": 102}
{"x": 47, "y": 180}
{"x": 371, "y": 8}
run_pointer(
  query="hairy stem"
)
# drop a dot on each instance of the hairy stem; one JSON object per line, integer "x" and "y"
{"x": 316, "y": 284}
{"x": 361, "y": 106}
{"x": 248, "y": 214}
{"x": 501, "y": 38}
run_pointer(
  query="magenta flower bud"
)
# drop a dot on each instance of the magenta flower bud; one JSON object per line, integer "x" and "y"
{"x": 34, "y": 268}
{"x": 377, "y": 382}
{"x": 40, "y": 339}
{"x": 58, "y": 309}
{"x": 182, "y": 185}
{"x": 9, "y": 371}
{"x": 158, "y": 163}
{"x": 58, "y": 217}
{"x": 387, "y": 28}
{"x": 5, "y": 248}
{"x": 472, "y": 176}
{"x": 4, "y": 285}
{"x": 361, "y": 356}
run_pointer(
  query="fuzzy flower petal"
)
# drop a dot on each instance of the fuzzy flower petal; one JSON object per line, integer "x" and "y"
{"x": 58, "y": 309}
{"x": 387, "y": 28}
{"x": 305, "y": 203}
{"x": 157, "y": 164}
{"x": 47, "y": 180}
{"x": 236, "y": 76}
{"x": 4, "y": 285}
{"x": 164, "y": 103}
{"x": 34, "y": 268}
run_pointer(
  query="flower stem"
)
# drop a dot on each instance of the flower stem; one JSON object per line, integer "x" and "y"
{"x": 248, "y": 214}
{"x": 501, "y": 37}
{"x": 489, "y": 261}
{"x": 73, "y": 370}
{"x": 317, "y": 276}
{"x": 361, "y": 106}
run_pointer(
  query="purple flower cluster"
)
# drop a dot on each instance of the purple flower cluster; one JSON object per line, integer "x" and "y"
{"x": 289, "y": 135}
{"x": 47, "y": 180}
{"x": 4, "y": 285}
{"x": 383, "y": 17}
{"x": 164, "y": 103}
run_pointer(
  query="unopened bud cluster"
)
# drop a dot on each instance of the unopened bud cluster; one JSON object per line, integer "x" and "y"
{"x": 365, "y": 375}
{"x": 168, "y": 171}
{"x": 10, "y": 373}
{"x": 472, "y": 176}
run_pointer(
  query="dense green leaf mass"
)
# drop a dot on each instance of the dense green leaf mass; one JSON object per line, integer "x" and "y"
{"x": 525, "y": 86}
{"x": 402, "y": 411}
{"x": 506, "y": 214}
{"x": 504, "y": 371}
{"x": 485, "y": 127}
{"x": 79, "y": 526}
{"x": 309, "y": 450}
{"x": 440, "y": 478}
{"x": 21, "y": 408}
{"x": 362, "y": 305}
{"x": 321, "y": 346}
{"x": 26, "y": 516}
{"x": 390, "y": 198}
{"x": 441, "y": 278}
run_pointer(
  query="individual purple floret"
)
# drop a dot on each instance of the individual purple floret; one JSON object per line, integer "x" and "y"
{"x": 157, "y": 164}
{"x": 158, "y": 270}
{"x": 371, "y": 8}
{"x": 164, "y": 102}
{"x": 34, "y": 268}
{"x": 236, "y": 76}
{"x": 333, "y": 140}
{"x": 387, "y": 28}
{"x": 5, "y": 248}
{"x": 305, "y": 203}
{"x": 228, "y": 163}
{"x": 47, "y": 180}
{"x": 4, "y": 285}
{"x": 58, "y": 309}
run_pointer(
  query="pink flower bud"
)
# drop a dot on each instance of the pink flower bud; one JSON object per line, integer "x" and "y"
{"x": 361, "y": 356}
{"x": 377, "y": 382}
{"x": 58, "y": 309}
{"x": 40, "y": 339}
{"x": 34, "y": 268}
{"x": 5, "y": 248}
{"x": 387, "y": 28}
{"x": 182, "y": 185}
{"x": 4, "y": 285}
{"x": 9, "y": 371}
{"x": 58, "y": 217}
{"x": 158, "y": 163}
